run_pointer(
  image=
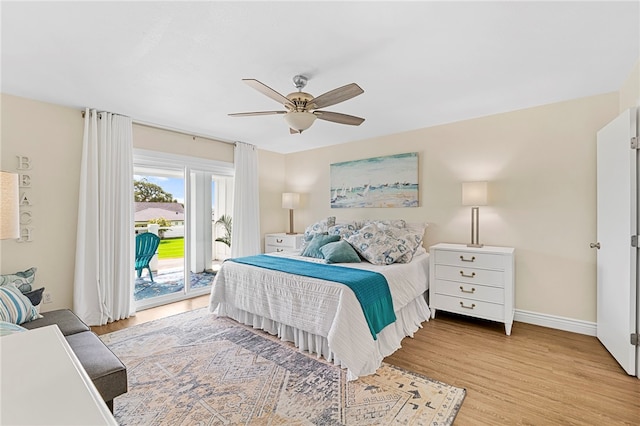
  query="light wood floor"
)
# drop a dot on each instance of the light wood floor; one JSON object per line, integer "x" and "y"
{"x": 536, "y": 376}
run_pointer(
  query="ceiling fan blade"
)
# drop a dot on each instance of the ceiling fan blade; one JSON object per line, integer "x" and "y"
{"x": 338, "y": 95}
{"x": 337, "y": 117}
{"x": 268, "y": 91}
{"x": 247, "y": 114}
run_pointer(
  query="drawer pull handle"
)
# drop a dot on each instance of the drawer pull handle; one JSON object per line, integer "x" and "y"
{"x": 279, "y": 250}
{"x": 473, "y": 274}
{"x": 473, "y": 290}
{"x": 473, "y": 259}
{"x": 279, "y": 241}
{"x": 462, "y": 305}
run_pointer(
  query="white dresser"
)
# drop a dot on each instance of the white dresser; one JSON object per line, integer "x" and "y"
{"x": 282, "y": 242}
{"x": 43, "y": 382}
{"x": 477, "y": 282}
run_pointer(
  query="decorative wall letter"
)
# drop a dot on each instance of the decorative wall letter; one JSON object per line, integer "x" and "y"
{"x": 26, "y": 216}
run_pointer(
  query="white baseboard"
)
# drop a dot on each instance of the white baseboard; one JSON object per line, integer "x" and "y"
{"x": 552, "y": 321}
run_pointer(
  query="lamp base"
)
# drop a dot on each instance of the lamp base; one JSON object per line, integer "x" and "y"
{"x": 475, "y": 234}
{"x": 290, "y": 222}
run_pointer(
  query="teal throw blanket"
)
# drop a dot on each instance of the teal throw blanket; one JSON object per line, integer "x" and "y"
{"x": 371, "y": 288}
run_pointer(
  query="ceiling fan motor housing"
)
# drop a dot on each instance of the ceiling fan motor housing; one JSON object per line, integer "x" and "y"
{"x": 301, "y": 101}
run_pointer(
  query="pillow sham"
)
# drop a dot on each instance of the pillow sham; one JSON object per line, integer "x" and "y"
{"x": 344, "y": 229}
{"x": 313, "y": 248}
{"x": 320, "y": 227}
{"x": 23, "y": 280}
{"x": 384, "y": 244}
{"x": 15, "y": 307}
{"x": 339, "y": 252}
{"x": 387, "y": 223}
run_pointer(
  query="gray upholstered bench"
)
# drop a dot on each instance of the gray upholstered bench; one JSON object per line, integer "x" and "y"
{"x": 106, "y": 371}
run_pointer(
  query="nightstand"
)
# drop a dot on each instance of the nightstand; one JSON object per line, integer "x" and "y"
{"x": 477, "y": 282}
{"x": 282, "y": 242}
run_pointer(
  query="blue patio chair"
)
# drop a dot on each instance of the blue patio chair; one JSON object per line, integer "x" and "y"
{"x": 146, "y": 246}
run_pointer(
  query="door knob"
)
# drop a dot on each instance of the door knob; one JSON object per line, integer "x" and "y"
{"x": 595, "y": 245}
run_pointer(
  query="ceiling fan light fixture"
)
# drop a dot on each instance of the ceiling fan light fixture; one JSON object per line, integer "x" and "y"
{"x": 299, "y": 120}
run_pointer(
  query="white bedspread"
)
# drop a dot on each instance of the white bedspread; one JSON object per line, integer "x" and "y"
{"x": 320, "y": 316}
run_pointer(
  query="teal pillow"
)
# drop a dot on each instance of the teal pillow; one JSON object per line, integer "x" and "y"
{"x": 339, "y": 252}
{"x": 313, "y": 248}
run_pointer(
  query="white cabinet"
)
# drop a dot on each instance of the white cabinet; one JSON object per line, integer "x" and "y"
{"x": 43, "y": 382}
{"x": 282, "y": 242}
{"x": 477, "y": 282}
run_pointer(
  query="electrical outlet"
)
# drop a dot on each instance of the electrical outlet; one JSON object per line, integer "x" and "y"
{"x": 47, "y": 298}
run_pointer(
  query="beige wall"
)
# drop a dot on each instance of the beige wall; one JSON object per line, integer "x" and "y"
{"x": 541, "y": 166}
{"x": 51, "y": 136}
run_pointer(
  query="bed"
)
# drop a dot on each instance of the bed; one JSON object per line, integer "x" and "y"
{"x": 324, "y": 317}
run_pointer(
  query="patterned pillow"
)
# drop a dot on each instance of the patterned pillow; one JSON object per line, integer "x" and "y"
{"x": 386, "y": 224}
{"x": 383, "y": 244}
{"x": 344, "y": 229}
{"x": 413, "y": 234}
{"x": 321, "y": 227}
{"x": 15, "y": 307}
{"x": 23, "y": 280}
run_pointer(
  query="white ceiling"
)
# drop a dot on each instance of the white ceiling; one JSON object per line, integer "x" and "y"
{"x": 179, "y": 65}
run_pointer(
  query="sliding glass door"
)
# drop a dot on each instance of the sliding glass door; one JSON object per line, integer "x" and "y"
{"x": 184, "y": 201}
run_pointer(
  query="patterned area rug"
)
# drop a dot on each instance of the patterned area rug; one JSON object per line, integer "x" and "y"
{"x": 197, "y": 369}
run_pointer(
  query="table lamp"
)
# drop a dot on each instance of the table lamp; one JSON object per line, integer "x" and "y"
{"x": 291, "y": 201}
{"x": 474, "y": 194}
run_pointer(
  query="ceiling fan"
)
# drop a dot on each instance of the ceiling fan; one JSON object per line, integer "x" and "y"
{"x": 302, "y": 109}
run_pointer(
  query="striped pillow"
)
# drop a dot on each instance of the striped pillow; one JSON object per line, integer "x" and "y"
{"x": 14, "y": 307}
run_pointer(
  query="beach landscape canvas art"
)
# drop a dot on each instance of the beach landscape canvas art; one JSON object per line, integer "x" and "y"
{"x": 389, "y": 181}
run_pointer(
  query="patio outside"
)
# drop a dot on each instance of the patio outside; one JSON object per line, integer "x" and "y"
{"x": 168, "y": 275}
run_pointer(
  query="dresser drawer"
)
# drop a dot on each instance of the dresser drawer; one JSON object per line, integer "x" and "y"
{"x": 470, "y": 291}
{"x": 476, "y": 308}
{"x": 469, "y": 275}
{"x": 281, "y": 241}
{"x": 470, "y": 259}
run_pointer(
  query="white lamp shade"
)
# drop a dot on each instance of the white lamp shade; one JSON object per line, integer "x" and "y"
{"x": 290, "y": 200}
{"x": 9, "y": 208}
{"x": 474, "y": 194}
{"x": 299, "y": 120}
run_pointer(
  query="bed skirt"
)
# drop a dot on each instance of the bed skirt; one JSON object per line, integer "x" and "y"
{"x": 409, "y": 320}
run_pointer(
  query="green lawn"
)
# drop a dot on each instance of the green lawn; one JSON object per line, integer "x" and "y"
{"x": 171, "y": 248}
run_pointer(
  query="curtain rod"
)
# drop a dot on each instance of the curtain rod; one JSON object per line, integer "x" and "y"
{"x": 170, "y": 129}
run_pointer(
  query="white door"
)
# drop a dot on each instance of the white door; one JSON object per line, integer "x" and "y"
{"x": 617, "y": 222}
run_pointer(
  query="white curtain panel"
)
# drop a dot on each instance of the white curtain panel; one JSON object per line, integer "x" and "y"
{"x": 105, "y": 248}
{"x": 245, "y": 235}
